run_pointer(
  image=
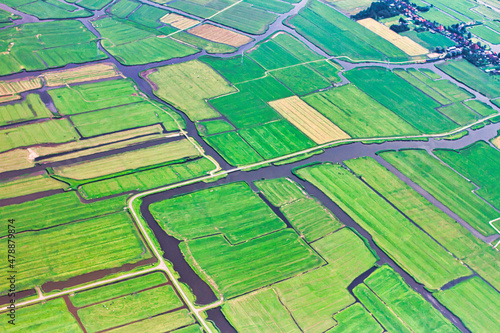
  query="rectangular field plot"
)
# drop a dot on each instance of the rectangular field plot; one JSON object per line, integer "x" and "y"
{"x": 409, "y": 246}
{"x": 402, "y": 98}
{"x": 260, "y": 311}
{"x": 31, "y": 108}
{"x": 220, "y": 35}
{"x": 238, "y": 269}
{"x": 123, "y": 40}
{"x": 340, "y": 36}
{"x": 129, "y": 161}
{"x": 451, "y": 235}
{"x": 49, "y": 316}
{"x": 233, "y": 149}
{"x": 168, "y": 321}
{"x": 62, "y": 252}
{"x": 480, "y": 107}
{"x": 313, "y": 297}
{"x": 94, "y": 96}
{"x": 357, "y": 114}
{"x": 16, "y": 86}
{"x": 429, "y": 39}
{"x": 473, "y": 77}
{"x": 57, "y": 209}
{"x": 81, "y": 74}
{"x": 213, "y": 127}
{"x": 459, "y": 113}
{"x": 50, "y": 131}
{"x": 187, "y": 86}
{"x": 301, "y": 79}
{"x": 178, "y": 21}
{"x": 232, "y": 210}
{"x": 280, "y": 191}
{"x": 276, "y": 139}
{"x": 144, "y": 180}
{"x": 355, "y": 319}
{"x": 125, "y": 309}
{"x": 445, "y": 185}
{"x": 308, "y": 120}
{"x": 27, "y": 184}
{"x": 235, "y": 69}
{"x": 397, "y": 306}
{"x": 475, "y": 303}
{"x": 478, "y": 162}
{"x": 404, "y": 43}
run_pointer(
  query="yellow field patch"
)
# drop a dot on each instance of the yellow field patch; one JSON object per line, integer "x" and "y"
{"x": 402, "y": 42}
{"x": 308, "y": 120}
{"x": 179, "y": 21}
{"x": 220, "y": 35}
{"x": 9, "y": 98}
{"x": 12, "y": 87}
{"x": 496, "y": 142}
{"x": 81, "y": 74}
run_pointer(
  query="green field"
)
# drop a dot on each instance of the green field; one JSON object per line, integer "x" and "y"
{"x": 459, "y": 113}
{"x": 402, "y": 98}
{"x": 233, "y": 149}
{"x": 328, "y": 69}
{"x": 358, "y": 114}
{"x": 145, "y": 180}
{"x": 405, "y": 243}
{"x": 301, "y": 79}
{"x": 340, "y": 36}
{"x": 428, "y": 39}
{"x": 247, "y": 18}
{"x": 253, "y": 264}
{"x": 168, "y": 321}
{"x": 50, "y": 131}
{"x": 125, "y": 309}
{"x": 58, "y": 43}
{"x": 210, "y": 47}
{"x": 94, "y": 96}
{"x": 480, "y": 107}
{"x": 57, "y": 209}
{"x": 114, "y": 290}
{"x": 446, "y": 88}
{"x": 312, "y": 298}
{"x": 148, "y": 16}
{"x": 412, "y": 310}
{"x": 213, "y": 127}
{"x": 27, "y": 184}
{"x": 31, "y": 108}
{"x": 59, "y": 253}
{"x": 355, "y": 319}
{"x": 470, "y": 75}
{"x": 422, "y": 86}
{"x": 49, "y": 316}
{"x": 47, "y": 9}
{"x": 486, "y": 33}
{"x": 236, "y": 69}
{"x": 475, "y": 303}
{"x": 123, "y": 8}
{"x": 276, "y": 139}
{"x": 267, "y": 89}
{"x": 187, "y": 85}
{"x": 280, "y": 191}
{"x": 445, "y": 185}
{"x": 131, "y": 44}
{"x": 451, "y": 235}
{"x": 479, "y": 163}
{"x": 260, "y": 311}
{"x": 126, "y": 117}
{"x": 232, "y": 210}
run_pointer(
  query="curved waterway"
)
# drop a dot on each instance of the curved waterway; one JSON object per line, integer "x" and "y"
{"x": 169, "y": 245}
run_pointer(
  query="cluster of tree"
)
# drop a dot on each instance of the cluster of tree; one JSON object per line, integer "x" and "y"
{"x": 421, "y": 9}
{"x": 475, "y": 58}
{"x": 377, "y": 10}
{"x": 402, "y": 26}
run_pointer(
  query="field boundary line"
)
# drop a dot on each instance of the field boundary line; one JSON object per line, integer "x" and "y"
{"x": 498, "y": 231}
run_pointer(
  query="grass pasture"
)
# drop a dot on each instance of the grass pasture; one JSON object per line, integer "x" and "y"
{"x": 207, "y": 45}
{"x": 422, "y": 86}
{"x": 459, "y": 113}
{"x": 301, "y": 79}
{"x": 168, "y": 321}
{"x": 266, "y": 88}
{"x": 50, "y": 131}
{"x": 128, "y": 161}
{"x": 254, "y": 264}
{"x": 192, "y": 79}
{"x": 473, "y": 77}
{"x": 53, "y": 10}
{"x": 405, "y": 243}
{"x": 309, "y": 121}
{"x": 357, "y": 114}
{"x": 247, "y": 18}
{"x": 232, "y": 210}
{"x": 412, "y": 310}
{"x": 235, "y": 69}
{"x": 445, "y": 185}
{"x": 475, "y": 303}
{"x": 31, "y": 108}
{"x": 125, "y": 309}
{"x": 355, "y": 319}
{"x": 50, "y": 316}
{"x": 429, "y": 39}
{"x": 313, "y": 297}
{"x": 402, "y": 98}
{"x": 62, "y": 252}
{"x": 28, "y": 184}
{"x": 67, "y": 205}
{"x": 486, "y": 33}
{"x": 280, "y": 191}
{"x": 478, "y": 162}
{"x": 260, "y": 311}
{"x": 211, "y": 127}
{"x": 276, "y": 139}
{"x": 148, "y": 16}
{"x": 148, "y": 179}
{"x": 480, "y": 107}
{"x": 220, "y": 35}
{"x": 233, "y": 148}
